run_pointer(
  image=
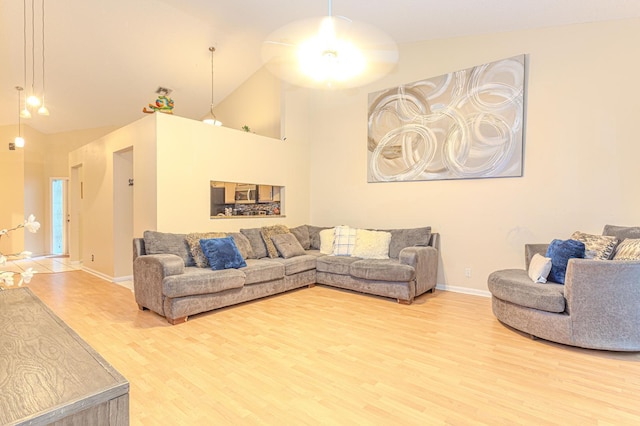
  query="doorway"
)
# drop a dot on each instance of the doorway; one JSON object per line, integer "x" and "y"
{"x": 59, "y": 216}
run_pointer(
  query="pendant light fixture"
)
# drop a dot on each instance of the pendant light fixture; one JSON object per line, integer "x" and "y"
{"x": 43, "y": 110}
{"x": 33, "y": 101}
{"x": 210, "y": 118}
{"x": 24, "y": 113}
{"x": 330, "y": 52}
{"x": 19, "y": 140}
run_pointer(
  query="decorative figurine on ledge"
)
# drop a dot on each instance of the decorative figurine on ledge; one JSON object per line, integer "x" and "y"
{"x": 163, "y": 104}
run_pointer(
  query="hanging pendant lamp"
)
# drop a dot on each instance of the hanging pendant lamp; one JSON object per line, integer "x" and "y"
{"x": 19, "y": 140}
{"x": 43, "y": 110}
{"x": 210, "y": 118}
{"x": 330, "y": 52}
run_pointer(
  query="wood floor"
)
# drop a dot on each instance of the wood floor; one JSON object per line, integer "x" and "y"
{"x": 325, "y": 356}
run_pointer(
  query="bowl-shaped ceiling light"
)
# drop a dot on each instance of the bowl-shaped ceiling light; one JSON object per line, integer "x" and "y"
{"x": 329, "y": 52}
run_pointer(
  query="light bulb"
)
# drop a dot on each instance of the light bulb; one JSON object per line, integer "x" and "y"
{"x": 43, "y": 110}
{"x": 19, "y": 141}
{"x": 33, "y": 101}
{"x": 24, "y": 113}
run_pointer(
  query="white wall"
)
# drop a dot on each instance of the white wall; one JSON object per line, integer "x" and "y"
{"x": 174, "y": 160}
{"x": 96, "y": 216}
{"x": 191, "y": 154}
{"x": 581, "y": 151}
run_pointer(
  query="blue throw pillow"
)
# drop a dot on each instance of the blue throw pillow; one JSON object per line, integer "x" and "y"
{"x": 222, "y": 253}
{"x": 560, "y": 252}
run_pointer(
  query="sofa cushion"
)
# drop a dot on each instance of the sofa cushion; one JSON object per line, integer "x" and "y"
{"x": 560, "y": 252}
{"x": 166, "y": 243}
{"x": 243, "y": 244}
{"x": 196, "y": 280}
{"x": 262, "y": 270}
{"x": 297, "y": 264}
{"x": 287, "y": 245}
{"x": 401, "y": 238}
{"x": 195, "y": 248}
{"x": 515, "y": 286}
{"x": 629, "y": 249}
{"x": 314, "y": 235}
{"x": 257, "y": 243}
{"x": 267, "y": 232}
{"x": 372, "y": 244}
{"x": 599, "y": 247}
{"x": 539, "y": 268}
{"x": 302, "y": 234}
{"x": 335, "y": 264}
{"x": 622, "y": 232}
{"x": 382, "y": 270}
{"x": 344, "y": 239}
{"x": 222, "y": 253}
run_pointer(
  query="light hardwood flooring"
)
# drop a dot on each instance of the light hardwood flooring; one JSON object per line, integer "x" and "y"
{"x": 324, "y": 356}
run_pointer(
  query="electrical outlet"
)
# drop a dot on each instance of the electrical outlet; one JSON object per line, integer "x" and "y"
{"x": 92, "y": 258}
{"x": 467, "y": 272}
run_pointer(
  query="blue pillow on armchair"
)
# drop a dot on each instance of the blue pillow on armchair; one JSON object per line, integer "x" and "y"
{"x": 560, "y": 252}
{"x": 222, "y": 253}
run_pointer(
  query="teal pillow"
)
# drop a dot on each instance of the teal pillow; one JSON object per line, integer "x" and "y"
{"x": 560, "y": 252}
{"x": 222, "y": 253}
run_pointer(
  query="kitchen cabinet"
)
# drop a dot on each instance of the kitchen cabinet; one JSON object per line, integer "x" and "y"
{"x": 229, "y": 193}
{"x": 265, "y": 193}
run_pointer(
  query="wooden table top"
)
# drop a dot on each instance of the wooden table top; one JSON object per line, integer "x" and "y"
{"x": 47, "y": 371}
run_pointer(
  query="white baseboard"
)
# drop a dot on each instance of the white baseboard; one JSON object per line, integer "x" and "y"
{"x": 126, "y": 281}
{"x": 464, "y": 290}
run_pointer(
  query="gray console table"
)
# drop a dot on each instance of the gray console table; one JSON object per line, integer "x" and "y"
{"x": 48, "y": 374}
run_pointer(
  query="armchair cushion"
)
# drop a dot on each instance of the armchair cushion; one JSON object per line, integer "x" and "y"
{"x": 560, "y": 252}
{"x": 622, "y": 232}
{"x": 515, "y": 286}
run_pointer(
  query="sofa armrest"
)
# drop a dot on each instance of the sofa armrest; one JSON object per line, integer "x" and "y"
{"x": 148, "y": 273}
{"x": 425, "y": 261}
{"x": 603, "y": 301}
{"x": 532, "y": 249}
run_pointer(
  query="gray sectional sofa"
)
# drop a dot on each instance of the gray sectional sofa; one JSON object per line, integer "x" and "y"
{"x": 168, "y": 282}
{"x": 598, "y": 307}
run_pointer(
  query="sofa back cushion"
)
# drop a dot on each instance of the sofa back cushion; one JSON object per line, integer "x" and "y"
{"x": 302, "y": 234}
{"x": 167, "y": 243}
{"x": 622, "y": 232}
{"x": 243, "y": 244}
{"x": 401, "y": 238}
{"x": 257, "y": 243}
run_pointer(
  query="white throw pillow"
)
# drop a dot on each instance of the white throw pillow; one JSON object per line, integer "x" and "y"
{"x": 371, "y": 244}
{"x": 344, "y": 240}
{"x": 539, "y": 268}
{"x": 326, "y": 240}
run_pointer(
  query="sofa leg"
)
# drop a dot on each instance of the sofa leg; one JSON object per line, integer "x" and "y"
{"x": 312, "y": 285}
{"x": 404, "y": 302}
{"x": 142, "y": 308}
{"x": 175, "y": 321}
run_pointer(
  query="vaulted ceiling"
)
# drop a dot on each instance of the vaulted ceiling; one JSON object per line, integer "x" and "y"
{"x": 105, "y": 59}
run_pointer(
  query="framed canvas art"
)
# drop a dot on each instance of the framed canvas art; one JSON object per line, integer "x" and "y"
{"x": 462, "y": 125}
